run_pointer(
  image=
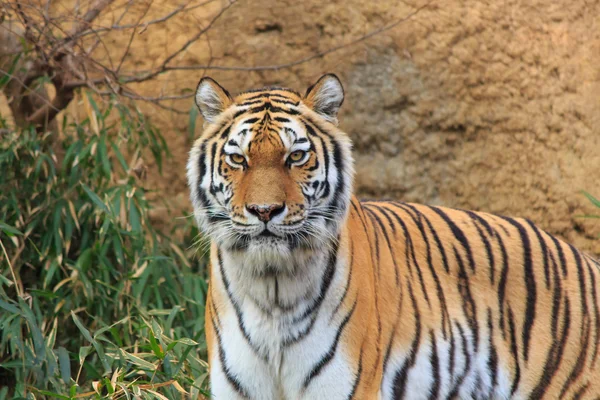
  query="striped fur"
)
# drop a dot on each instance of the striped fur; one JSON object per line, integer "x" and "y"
{"x": 372, "y": 300}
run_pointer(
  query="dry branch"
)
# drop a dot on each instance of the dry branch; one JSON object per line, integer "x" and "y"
{"x": 61, "y": 54}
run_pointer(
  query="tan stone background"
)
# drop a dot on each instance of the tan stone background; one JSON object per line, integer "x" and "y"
{"x": 486, "y": 105}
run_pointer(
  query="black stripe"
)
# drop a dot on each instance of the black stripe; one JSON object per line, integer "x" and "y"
{"x": 503, "y": 282}
{"x": 529, "y": 283}
{"x": 581, "y": 278}
{"x": 468, "y": 304}
{"x": 357, "y": 377}
{"x": 409, "y": 253}
{"x": 270, "y": 108}
{"x": 492, "y": 362}
{"x": 201, "y": 172}
{"x": 338, "y": 161}
{"x": 480, "y": 218}
{"x": 369, "y": 214}
{"x": 458, "y": 233}
{"x": 399, "y": 383}
{"x": 439, "y": 290}
{"x": 595, "y": 300}
{"x": 350, "y": 264}
{"x": 561, "y": 255}
{"x": 579, "y": 394}
{"x": 465, "y": 352}
{"x": 251, "y": 102}
{"x": 328, "y": 356}
{"x": 451, "y": 354}
{"x": 325, "y": 153}
{"x": 438, "y": 242}
{"x": 325, "y": 283}
{"x": 435, "y": 368}
{"x": 554, "y": 355}
{"x": 514, "y": 349}
{"x": 488, "y": 251}
{"x": 233, "y": 381}
{"x": 556, "y": 295}
{"x": 236, "y": 307}
{"x": 386, "y": 213}
{"x": 581, "y": 357}
{"x": 226, "y": 131}
{"x": 544, "y": 249}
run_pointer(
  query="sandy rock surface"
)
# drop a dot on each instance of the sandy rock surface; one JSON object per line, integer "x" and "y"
{"x": 492, "y": 106}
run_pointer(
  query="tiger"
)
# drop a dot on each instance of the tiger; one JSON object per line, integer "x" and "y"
{"x": 314, "y": 294}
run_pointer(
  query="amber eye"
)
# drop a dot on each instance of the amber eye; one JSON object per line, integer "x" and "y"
{"x": 297, "y": 156}
{"x": 237, "y": 158}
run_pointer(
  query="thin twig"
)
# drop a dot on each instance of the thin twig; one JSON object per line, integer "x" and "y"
{"x": 305, "y": 59}
{"x": 26, "y": 87}
{"x": 131, "y": 38}
{"x": 12, "y": 271}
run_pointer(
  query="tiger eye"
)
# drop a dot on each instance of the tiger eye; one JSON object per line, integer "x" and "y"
{"x": 297, "y": 156}
{"x": 237, "y": 158}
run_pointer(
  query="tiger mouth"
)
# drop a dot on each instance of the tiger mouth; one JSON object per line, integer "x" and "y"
{"x": 268, "y": 234}
{"x": 266, "y": 237}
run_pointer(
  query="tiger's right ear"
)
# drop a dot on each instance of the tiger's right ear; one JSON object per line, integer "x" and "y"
{"x": 212, "y": 99}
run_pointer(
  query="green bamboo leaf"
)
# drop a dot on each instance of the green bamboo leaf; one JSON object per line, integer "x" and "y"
{"x": 7, "y": 76}
{"x": 9, "y": 230}
{"x": 52, "y": 395}
{"x": 103, "y": 155}
{"x": 94, "y": 106}
{"x": 56, "y": 228}
{"x": 84, "y": 351}
{"x": 134, "y": 217}
{"x": 65, "y": 364}
{"x": 99, "y": 349}
{"x": 94, "y": 197}
{"x": 36, "y": 332}
{"x": 119, "y": 156}
{"x": 139, "y": 361}
{"x": 155, "y": 347}
{"x": 591, "y": 198}
{"x": 83, "y": 329}
{"x": 10, "y": 308}
{"x": 106, "y": 328}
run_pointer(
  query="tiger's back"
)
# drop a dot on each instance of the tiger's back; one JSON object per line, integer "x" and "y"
{"x": 473, "y": 305}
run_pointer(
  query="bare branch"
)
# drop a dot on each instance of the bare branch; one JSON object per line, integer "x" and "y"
{"x": 131, "y": 38}
{"x": 303, "y": 60}
{"x": 198, "y": 35}
{"x": 87, "y": 19}
{"x": 70, "y": 62}
{"x": 26, "y": 87}
{"x": 178, "y": 10}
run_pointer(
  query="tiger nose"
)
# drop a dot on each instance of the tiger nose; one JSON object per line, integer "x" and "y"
{"x": 265, "y": 212}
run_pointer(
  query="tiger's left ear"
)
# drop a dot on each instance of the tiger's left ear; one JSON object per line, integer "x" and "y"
{"x": 326, "y": 97}
{"x": 212, "y": 99}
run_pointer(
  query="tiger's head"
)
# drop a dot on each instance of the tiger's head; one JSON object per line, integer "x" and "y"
{"x": 271, "y": 174}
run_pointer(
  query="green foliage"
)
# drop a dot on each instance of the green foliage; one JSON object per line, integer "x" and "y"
{"x": 94, "y": 301}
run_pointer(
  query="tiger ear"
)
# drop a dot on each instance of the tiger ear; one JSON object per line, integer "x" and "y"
{"x": 212, "y": 99}
{"x": 326, "y": 97}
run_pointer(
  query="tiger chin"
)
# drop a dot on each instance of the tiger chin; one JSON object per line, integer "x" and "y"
{"x": 316, "y": 295}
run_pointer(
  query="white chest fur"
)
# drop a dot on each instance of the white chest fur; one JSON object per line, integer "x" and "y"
{"x": 277, "y": 330}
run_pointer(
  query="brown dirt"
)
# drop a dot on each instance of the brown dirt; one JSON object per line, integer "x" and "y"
{"x": 492, "y": 106}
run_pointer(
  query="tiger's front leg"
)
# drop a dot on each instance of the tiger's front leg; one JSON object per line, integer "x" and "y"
{"x": 236, "y": 371}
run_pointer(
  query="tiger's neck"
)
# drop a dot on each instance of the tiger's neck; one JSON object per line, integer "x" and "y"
{"x": 281, "y": 302}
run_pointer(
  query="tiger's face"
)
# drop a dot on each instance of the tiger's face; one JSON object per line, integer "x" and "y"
{"x": 272, "y": 174}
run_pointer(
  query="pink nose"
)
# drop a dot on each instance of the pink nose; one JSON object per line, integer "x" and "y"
{"x": 265, "y": 212}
